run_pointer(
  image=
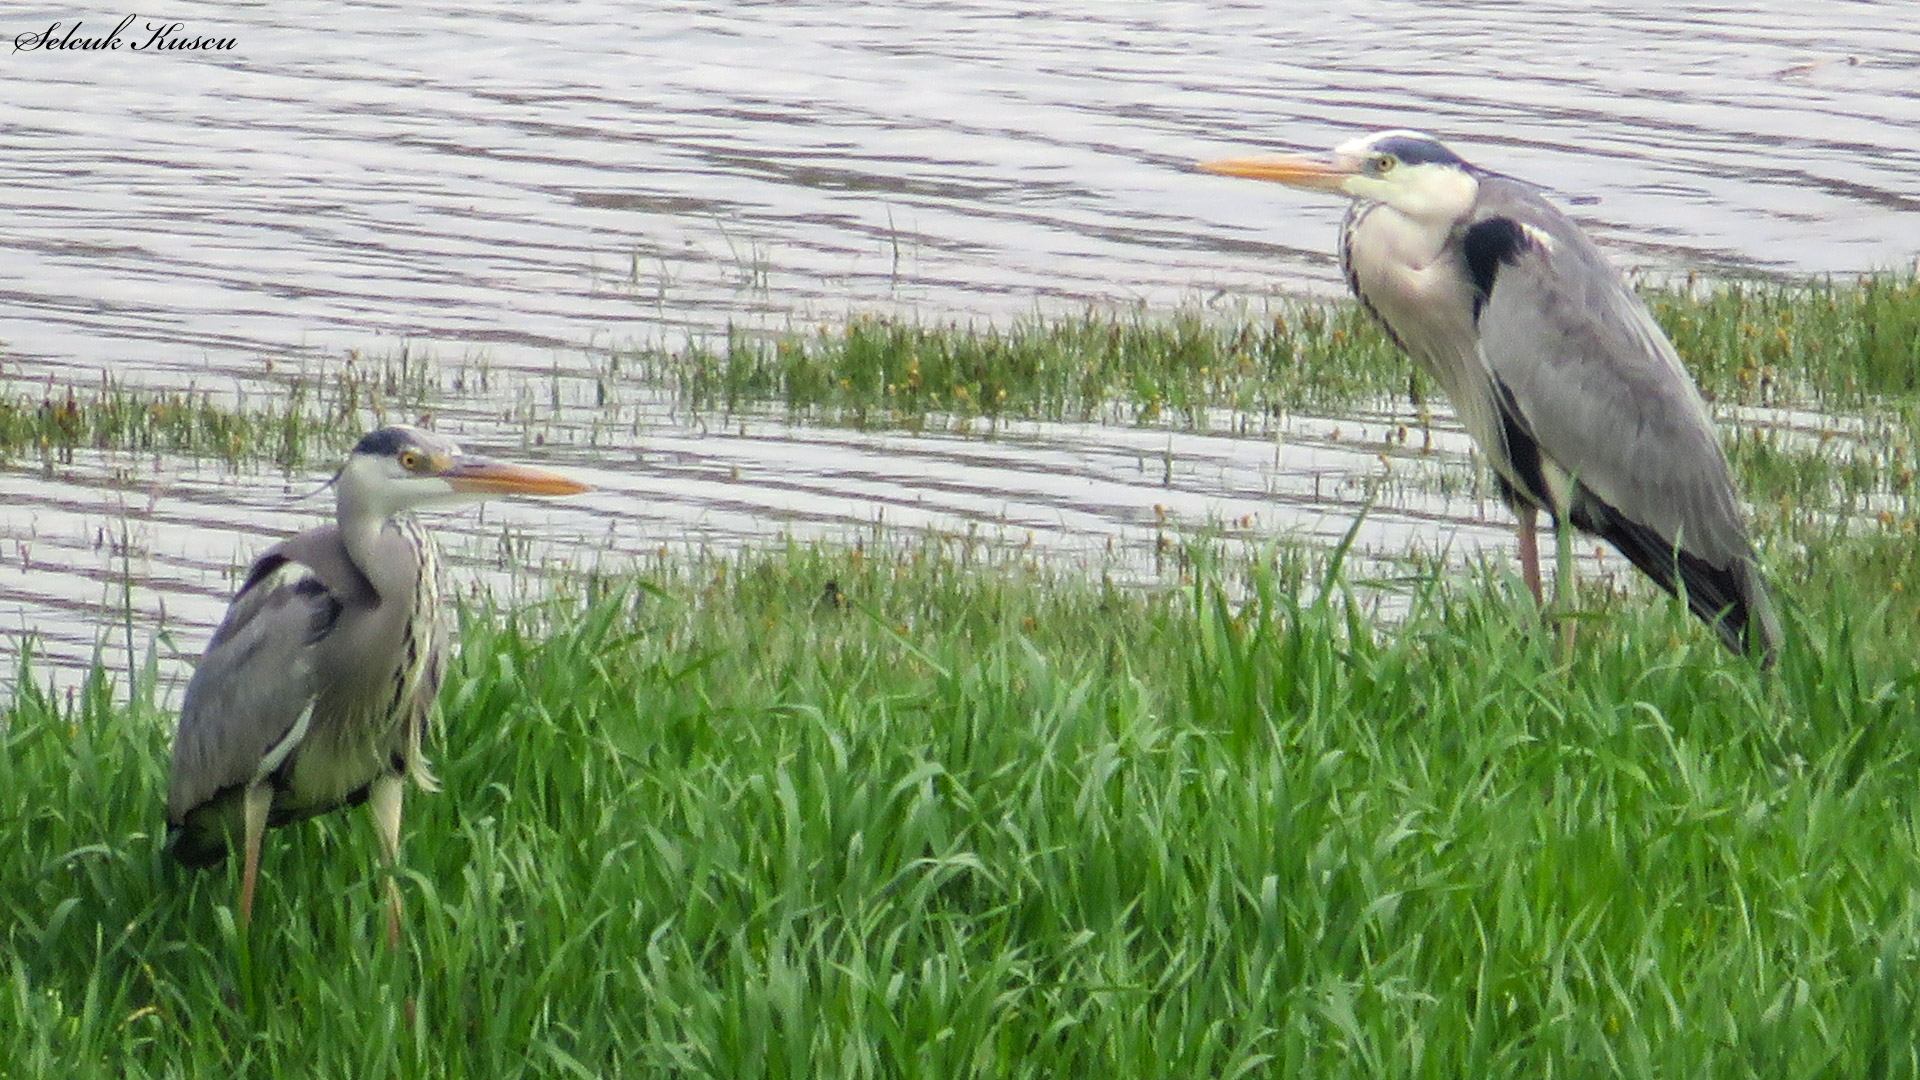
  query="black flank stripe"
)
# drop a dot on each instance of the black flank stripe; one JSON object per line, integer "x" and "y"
{"x": 1523, "y": 453}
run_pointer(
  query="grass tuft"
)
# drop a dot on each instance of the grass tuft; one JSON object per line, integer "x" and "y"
{"x": 1096, "y": 366}
{"x": 1849, "y": 347}
{"x": 300, "y": 418}
{"x": 1818, "y": 344}
{"x": 1823, "y": 343}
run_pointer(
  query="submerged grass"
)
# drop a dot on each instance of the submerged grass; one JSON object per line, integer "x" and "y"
{"x": 1828, "y": 344}
{"x": 934, "y": 813}
{"x": 51, "y": 423}
{"x": 299, "y": 418}
{"x": 1101, "y": 365}
{"x": 1852, "y": 347}
{"x": 1818, "y": 345}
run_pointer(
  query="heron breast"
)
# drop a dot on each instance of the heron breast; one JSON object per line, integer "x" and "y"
{"x": 1407, "y": 272}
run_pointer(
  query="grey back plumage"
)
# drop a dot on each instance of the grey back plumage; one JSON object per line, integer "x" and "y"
{"x": 284, "y": 690}
{"x": 318, "y": 687}
{"x": 1580, "y": 364}
{"x": 1570, "y": 388}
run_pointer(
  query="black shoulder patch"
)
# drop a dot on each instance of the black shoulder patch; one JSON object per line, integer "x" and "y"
{"x": 263, "y": 567}
{"x": 385, "y": 442}
{"x": 323, "y": 607}
{"x": 1488, "y": 244}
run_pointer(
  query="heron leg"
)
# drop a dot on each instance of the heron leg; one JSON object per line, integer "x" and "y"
{"x": 1565, "y": 587}
{"x": 1530, "y": 551}
{"x": 383, "y": 802}
{"x": 254, "y": 806}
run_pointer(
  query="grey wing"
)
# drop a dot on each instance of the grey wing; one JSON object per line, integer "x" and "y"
{"x": 1578, "y": 361}
{"x": 252, "y": 694}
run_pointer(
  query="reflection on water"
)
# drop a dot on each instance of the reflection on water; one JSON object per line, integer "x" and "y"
{"x": 532, "y": 185}
{"x": 164, "y": 543}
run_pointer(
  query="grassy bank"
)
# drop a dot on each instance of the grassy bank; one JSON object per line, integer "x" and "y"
{"x": 936, "y": 811}
{"x": 1829, "y": 344}
{"x": 955, "y": 816}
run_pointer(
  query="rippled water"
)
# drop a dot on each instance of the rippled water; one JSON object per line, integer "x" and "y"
{"x": 532, "y": 184}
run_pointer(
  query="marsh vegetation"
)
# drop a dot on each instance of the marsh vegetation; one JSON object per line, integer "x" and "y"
{"x": 936, "y": 807}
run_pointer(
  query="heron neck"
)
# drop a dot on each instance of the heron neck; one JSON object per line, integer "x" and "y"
{"x": 361, "y": 534}
{"x": 1395, "y": 237}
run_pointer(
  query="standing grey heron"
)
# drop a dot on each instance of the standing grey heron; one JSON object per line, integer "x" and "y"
{"x": 320, "y": 682}
{"x": 1555, "y": 368}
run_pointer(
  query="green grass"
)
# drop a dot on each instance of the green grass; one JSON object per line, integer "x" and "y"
{"x": 1101, "y": 365}
{"x": 1848, "y": 347}
{"x": 961, "y": 816}
{"x": 301, "y": 417}
{"x": 1817, "y": 344}
{"x": 1826, "y": 344}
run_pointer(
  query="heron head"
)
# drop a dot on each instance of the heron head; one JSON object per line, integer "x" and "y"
{"x": 1413, "y": 173}
{"x": 402, "y": 468}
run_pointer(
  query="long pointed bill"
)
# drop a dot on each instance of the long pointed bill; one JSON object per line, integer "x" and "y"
{"x": 481, "y": 476}
{"x": 1315, "y": 172}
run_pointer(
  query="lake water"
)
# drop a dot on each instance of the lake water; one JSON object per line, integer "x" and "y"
{"x": 527, "y": 186}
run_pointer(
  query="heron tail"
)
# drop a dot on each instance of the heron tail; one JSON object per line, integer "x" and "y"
{"x": 196, "y": 845}
{"x": 1732, "y": 599}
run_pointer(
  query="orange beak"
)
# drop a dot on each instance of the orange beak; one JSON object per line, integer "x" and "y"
{"x": 483, "y": 476}
{"x": 1313, "y": 172}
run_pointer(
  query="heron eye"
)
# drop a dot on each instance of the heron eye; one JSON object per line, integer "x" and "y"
{"x": 1384, "y": 163}
{"x": 410, "y": 460}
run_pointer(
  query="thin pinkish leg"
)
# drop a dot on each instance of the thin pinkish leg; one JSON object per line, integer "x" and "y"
{"x": 1530, "y": 553}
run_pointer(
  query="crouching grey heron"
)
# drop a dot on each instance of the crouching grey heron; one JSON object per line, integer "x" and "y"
{"x": 1556, "y": 370}
{"x": 319, "y": 684}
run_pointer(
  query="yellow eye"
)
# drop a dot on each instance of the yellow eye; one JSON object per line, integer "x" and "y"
{"x": 1384, "y": 163}
{"x": 410, "y": 460}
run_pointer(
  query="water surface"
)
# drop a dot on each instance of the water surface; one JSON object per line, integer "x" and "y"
{"x": 529, "y": 186}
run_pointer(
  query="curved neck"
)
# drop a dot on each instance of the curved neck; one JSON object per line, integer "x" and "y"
{"x": 362, "y": 526}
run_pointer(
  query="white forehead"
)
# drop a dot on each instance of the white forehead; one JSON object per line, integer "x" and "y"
{"x": 434, "y": 444}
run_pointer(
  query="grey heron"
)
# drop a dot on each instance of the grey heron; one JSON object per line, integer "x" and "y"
{"x": 1554, "y": 367}
{"x": 319, "y": 684}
